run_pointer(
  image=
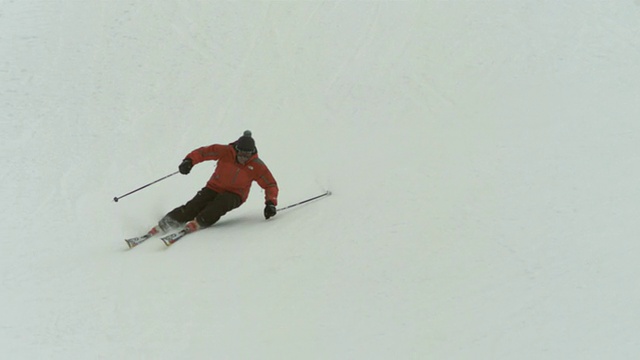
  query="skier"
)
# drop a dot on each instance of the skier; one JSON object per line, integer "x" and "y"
{"x": 228, "y": 188}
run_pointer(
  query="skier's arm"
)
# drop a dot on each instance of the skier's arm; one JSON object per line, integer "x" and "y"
{"x": 211, "y": 152}
{"x": 270, "y": 186}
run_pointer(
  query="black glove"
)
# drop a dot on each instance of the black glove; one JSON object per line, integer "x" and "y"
{"x": 185, "y": 166}
{"x": 269, "y": 209}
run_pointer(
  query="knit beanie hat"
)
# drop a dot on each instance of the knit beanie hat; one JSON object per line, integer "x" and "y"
{"x": 246, "y": 142}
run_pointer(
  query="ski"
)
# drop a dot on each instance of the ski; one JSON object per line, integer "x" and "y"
{"x": 173, "y": 237}
{"x": 133, "y": 242}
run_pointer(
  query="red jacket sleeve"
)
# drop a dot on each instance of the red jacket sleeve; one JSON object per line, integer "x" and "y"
{"x": 211, "y": 152}
{"x": 269, "y": 184}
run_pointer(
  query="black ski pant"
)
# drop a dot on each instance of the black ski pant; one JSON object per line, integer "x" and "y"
{"x": 207, "y": 207}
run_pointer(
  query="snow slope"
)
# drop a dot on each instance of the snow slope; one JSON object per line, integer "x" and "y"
{"x": 483, "y": 158}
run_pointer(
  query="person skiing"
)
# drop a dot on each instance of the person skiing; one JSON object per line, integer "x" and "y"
{"x": 237, "y": 168}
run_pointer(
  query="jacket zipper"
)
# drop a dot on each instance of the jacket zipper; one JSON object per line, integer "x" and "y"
{"x": 235, "y": 176}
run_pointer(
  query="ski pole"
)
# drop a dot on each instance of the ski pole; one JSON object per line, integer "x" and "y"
{"x": 305, "y": 201}
{"x": 142, "y": 187}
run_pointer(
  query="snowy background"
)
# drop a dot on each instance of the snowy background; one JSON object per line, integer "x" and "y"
{"x": 483, "y": 158}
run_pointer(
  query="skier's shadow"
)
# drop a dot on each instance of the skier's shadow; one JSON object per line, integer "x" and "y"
{"x": 247, "y": 220}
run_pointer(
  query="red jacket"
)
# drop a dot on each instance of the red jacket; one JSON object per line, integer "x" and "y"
{"x": 234, "y": 177}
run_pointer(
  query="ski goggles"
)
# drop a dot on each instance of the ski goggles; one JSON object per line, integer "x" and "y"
{"x": 246, "y": 153}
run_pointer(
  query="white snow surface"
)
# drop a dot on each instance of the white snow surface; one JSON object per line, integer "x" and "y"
{"x": 483, "y": 158}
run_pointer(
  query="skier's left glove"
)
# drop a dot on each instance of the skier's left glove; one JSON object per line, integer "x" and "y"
{"x": 269, "y": 209}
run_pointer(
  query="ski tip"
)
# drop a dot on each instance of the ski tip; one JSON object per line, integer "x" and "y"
{"x": 129, "y": 244}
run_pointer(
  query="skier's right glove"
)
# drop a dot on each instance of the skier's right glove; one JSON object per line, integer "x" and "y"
{"x": 269, "y": 209}
{"x": 185, "y": 166}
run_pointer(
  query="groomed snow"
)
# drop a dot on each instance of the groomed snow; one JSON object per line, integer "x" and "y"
{"x": 483, "y": 158}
